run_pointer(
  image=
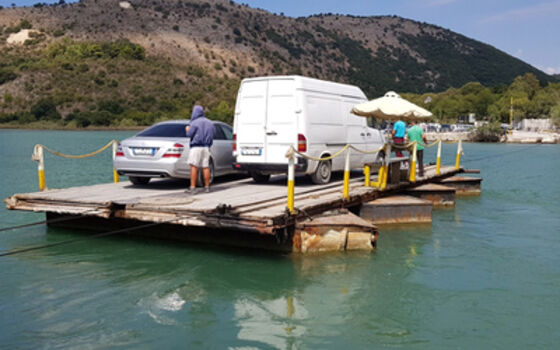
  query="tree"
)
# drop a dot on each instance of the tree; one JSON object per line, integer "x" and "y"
{"x": 45, "y": 109}
{"x": 555, "y": 115}
{"x": 528, "y": 84}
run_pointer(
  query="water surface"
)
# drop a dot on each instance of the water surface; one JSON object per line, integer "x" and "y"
{"x": 485, "y": 275}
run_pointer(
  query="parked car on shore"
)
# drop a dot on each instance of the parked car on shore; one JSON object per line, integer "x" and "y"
{"x": 162, "y": 151}
{"x": 462, "y": 128}
{"x": 445, "y": 128}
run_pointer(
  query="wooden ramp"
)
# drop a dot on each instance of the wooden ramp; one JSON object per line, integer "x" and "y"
{"x": 239, "y": 205}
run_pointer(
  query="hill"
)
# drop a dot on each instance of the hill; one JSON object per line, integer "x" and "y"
{"x": 139, "y": 61}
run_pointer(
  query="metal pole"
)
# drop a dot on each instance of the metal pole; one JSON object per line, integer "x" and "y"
{"x": 291, "y": 184}
{"x": 459, "y": 151}
{"x": 511, "y": 113}
{"x": 412, "y": 174}
{"x": 346, "y": 191}
{"x": 367, "y": 172}
{"x": 41, "y": 168}
{"x": 383, "y": 184}
{"x": 438, "y": 159}
{"x": 115, "y": 174}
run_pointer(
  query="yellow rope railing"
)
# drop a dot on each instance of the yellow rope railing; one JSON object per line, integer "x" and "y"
{"x": 381, "y": 182}
{"x": 38, "y": 156}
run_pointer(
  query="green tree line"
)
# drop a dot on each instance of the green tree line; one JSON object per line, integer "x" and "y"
{"x": 531, "y": 99}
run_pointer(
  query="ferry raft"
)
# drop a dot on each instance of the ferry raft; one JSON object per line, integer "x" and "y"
{"x": 341, "y": 215}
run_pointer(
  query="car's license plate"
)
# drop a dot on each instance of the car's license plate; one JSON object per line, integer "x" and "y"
{"x": 251, "y": 151}
{"x": 143, "y": 151}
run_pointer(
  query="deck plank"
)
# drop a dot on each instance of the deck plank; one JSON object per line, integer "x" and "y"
{"x": 245, "y": 202}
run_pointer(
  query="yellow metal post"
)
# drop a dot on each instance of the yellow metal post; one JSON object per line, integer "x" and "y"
{"x": 291, "y": 184}
{"x": 346, "y": 190}
{"x": 367, "y": 172}
{"x": 115, "y": 174}
{"x": 458, "y": 158}
{"x": 41, "y": 167}
{"x": 511, "y": 113}
{"x": 438, "y": 159}
{"x": 412, "y": 174}
{"x": 383, "y": 183}
{"x": 379, "y": 181}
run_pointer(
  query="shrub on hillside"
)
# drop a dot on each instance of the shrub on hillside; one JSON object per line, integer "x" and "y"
{"x": 72, "y": 50}
{"x": 45, "y": 109}
{"x": 113, "y": 107}
{"x": 6, "y": 75}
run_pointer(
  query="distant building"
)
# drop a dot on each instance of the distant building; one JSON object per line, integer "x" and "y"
{"x": 536, "y": 124}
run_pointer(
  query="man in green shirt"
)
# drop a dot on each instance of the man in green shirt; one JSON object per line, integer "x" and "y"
{"x": 415, "y": 133}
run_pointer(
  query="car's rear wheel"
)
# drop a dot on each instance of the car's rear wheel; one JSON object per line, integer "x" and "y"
{"x": 260, "y": 178}
{"x": 322, "y": 174}
{"x": 139, "y": 180}
{"x": 200, "y": 177}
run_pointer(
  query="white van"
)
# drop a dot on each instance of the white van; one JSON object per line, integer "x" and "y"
{"x": 274, "y": 113}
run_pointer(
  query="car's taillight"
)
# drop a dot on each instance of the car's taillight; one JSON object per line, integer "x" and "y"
{"x": 301, "y": 143}
{"x": 119, "y": 152}
{"x": 175, "y": 151}
{"x": 234, "y": 146}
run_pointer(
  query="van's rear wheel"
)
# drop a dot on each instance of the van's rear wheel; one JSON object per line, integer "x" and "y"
{"x": 322, "y": 174}
{"x": 260, "y": 178}
{"x": 138, "y": 180}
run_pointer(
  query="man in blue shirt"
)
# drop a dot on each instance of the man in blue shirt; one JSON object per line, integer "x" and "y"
{"x": 398, "y": 132}
{"x": 201, "y": 134}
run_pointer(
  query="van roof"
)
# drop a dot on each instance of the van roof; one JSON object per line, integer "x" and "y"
{"x": 311, "y": 84}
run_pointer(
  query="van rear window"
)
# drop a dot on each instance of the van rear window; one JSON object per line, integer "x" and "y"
{"x": 165, "y": 130}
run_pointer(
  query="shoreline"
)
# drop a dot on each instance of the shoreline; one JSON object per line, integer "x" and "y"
{"x": 518, "y": 136}
{"x": 63, "y": 128}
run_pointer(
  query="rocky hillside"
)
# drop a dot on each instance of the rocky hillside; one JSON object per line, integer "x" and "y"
{"x": 156, "y": 57}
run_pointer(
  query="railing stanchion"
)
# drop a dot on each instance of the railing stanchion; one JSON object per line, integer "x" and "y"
{"x": 115, "y": 174}
{"x": 291, "y": 184}
{"x": 459, "y": 151}
{"x": 346, "y": 191}
{"x": 438, "y": 159}
{"x": 386, "y": 161}
{"x": 412, "y": 175}
{"x": 40, "y": 158}
{"x": 367, "y": 173}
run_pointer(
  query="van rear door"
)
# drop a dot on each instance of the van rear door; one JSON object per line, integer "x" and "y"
{"x": 250, "y": 121}
{"x": 266, "y": 122}
{"x": 281, "y": 120}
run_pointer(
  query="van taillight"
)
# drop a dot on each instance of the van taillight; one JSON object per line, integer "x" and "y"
{"x": 234, "y": 145}
{"x": 175, "y": 151}
{"x": 301, "y": 143}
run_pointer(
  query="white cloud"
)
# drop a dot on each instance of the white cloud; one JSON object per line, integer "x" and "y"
{"x": 537, "y": 11}
{"x": 551, "y": 70}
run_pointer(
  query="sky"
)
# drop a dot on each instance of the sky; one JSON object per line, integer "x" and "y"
{"x": 526, "y": 29}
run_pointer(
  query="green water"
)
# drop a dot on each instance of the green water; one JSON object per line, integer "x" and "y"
{"x": 483, "y": 276}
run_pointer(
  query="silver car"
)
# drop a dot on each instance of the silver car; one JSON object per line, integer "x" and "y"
{"x": 162, "y": 151}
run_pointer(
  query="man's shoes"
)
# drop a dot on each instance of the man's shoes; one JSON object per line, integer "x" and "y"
{"x": 190, "y": 190}
{"x": 207, "y": 189}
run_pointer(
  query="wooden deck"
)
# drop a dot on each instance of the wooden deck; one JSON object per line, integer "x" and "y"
{"x": 239, "y": 205}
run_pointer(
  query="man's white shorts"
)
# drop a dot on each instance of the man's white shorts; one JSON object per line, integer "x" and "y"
{"x": 199, "y": 157}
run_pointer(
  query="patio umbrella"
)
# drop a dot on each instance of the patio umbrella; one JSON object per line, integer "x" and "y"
{"x": 391, "y": 107}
